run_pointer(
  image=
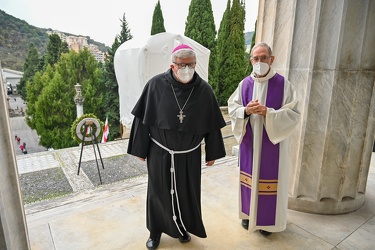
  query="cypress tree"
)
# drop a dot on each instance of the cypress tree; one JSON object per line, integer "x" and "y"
{"x": 125, "y": 34}
{"x": 249, "y": 66}
{"x": 111, "y": 103}
{"x": 30, "y": 67}
{"x": 42, "y": 74}
{"x": 33, "y": 90}
{"x": 33, "y": 63}
{"x": 157, "y": 20}
{"x": 237, "y": 37}
{"x": 200, "y": 26}
{"x": 55, "y": 48}
{"x": 222, "y": 54}
{"x": 232, "y": 53}
{"x": 254, "y": 35}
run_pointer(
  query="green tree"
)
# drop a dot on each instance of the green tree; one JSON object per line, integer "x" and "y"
{"x": 55, "y": 48}
{"x": 249, "y": 66}
{"x": 82, "y": 68}
{"x": 200, "y": 26}
{"x": 238, "y": 38}
{"x": 51, "y": 109}
{"x": 111, "y": 103}
{"x": 222, "y": 54}
{"x": 55, "y": 113}
{"x": 232, "y": 51}
{"x": 33, "y": 90}
{"x": 30, "y": 67}
{"x": 125, "y": 34}
{"x": 41, "y": 63}
{"x": 157, "y": 20}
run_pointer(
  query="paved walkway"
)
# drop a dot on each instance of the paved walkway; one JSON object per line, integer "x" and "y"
{"x": 49, "y": 159}
{"x": 113, "y": 217}
{"x": 19, "y": 127}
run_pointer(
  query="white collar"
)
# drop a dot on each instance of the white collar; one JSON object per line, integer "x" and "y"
{"x": 265, "y": 78}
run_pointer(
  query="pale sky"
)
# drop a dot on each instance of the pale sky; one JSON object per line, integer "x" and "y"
{"x": 101, "y": 19}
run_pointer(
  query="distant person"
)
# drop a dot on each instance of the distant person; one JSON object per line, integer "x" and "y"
{"x": 22, "y": 147}
{"x": 263, "y": 111}
{"x": 175, "y": 112}
{"x": 18, "y": 140}
{"x": 15, "y": 136}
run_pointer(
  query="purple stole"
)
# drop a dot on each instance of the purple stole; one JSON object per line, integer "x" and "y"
{"x": 269, "y": 162}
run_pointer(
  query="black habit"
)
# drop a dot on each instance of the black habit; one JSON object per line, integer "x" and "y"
{"x": 156, "y": 115}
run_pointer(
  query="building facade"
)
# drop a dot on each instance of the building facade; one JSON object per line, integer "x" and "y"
{"x": 77, "y": 43}
{"x": 11, "y": 78}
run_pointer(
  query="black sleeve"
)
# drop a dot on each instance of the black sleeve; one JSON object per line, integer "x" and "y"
{"x": 139, "y": 139}
{"x": 214, "y": 145}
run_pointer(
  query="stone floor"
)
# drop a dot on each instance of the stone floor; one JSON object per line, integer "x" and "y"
{"x": 113, "y": 217}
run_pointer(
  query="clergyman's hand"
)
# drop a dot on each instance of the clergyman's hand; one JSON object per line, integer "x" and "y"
{"x": 142, "y": 159}
{"x": 210, "y": 163}
{"x": 254, "y": 107}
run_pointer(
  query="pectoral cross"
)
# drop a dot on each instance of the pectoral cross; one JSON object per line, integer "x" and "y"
{"x": 181, "y": 116}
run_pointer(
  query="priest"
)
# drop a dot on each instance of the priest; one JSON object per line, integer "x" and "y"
{"x": 263, "y": 111}
{"x": 176, "y": 113}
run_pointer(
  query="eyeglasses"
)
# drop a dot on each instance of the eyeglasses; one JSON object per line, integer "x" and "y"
{"x": 183, "y": 65}
{"x": 262, "y": 58}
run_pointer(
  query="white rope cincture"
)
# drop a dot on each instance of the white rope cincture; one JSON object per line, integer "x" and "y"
{"x": 174, "y": 182}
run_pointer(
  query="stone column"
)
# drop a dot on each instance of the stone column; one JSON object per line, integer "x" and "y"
{"x": 327, "y": 49}
{"x": 78, "y": 99}
{"x": 13, "y": 229}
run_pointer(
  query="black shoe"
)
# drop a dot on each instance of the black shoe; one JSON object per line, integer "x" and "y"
{"x": 185, "y": 238}
{"x": 265, "y": 233}
{"x": 153, "y": 242}
{"x": 245, "y": 224}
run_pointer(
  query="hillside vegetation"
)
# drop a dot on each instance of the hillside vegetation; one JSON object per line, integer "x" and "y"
{"x": 15, "y": 37}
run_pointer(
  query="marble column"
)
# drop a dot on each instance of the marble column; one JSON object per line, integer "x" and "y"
{"x": 13, "y": 229}
{"x": 327, "y": 49}
{"x": 78, "y": 99}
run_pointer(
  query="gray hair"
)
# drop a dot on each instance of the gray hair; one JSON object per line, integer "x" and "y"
{"x": 183, "y": 53}
{"x": 262, "y": 45}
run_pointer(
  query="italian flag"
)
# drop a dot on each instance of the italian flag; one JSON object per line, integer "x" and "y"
{"x": 105, "y": 131}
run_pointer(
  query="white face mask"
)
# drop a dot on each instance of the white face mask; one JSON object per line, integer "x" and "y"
{"x": 186, "y": 74}
{"x": 261, "y": 68}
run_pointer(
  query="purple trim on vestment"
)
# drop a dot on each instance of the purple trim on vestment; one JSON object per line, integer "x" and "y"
{"x": 269, "y": 162}
{"x": 246, "y": 146}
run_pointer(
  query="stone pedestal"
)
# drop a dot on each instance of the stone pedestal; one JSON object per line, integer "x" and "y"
{"x": 13, "y": 231}
{"x": 327, "y": 49}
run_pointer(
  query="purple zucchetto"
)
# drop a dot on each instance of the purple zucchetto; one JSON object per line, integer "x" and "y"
{"x": 182, "y": 46}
